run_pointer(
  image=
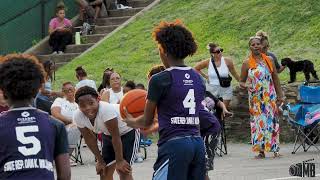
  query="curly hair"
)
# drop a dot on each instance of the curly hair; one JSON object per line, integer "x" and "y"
{"x": 155, "y": 69}
{"x": 21, "y": 76}
{"x": 175, "y": 39}
{"x": 85, "y": 90}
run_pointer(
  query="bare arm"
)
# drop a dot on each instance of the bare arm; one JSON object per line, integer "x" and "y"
{"x": 232, "y": 69}
{"x": 105, "y": 96}
{"x": 91, "y": 141}
{"x": 244, "y": 74}
{"x": 202, "y": 65}
{"x": 56, "y": 112}
{"x": 63, "y": 167}
{"x": 51, "y": 30}
{"x": 143, "y": 121}
{"x": 244, "y": 71}
{"x": 112, "y": 126}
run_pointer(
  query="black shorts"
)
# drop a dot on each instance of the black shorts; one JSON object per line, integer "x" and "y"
{"x": 210, "y": 143}
{"x": 130, "y": 146}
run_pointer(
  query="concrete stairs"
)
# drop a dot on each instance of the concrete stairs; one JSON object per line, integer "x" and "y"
{"x": 104, "y": 25}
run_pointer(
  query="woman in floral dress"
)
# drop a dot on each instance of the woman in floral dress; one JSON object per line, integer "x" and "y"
{"x": 264, "y": 93}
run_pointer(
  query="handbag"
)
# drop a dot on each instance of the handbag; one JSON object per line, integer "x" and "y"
{"x": 224, "y": 81}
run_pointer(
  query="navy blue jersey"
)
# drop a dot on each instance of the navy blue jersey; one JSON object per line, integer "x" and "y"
{"x": 30, "y": 140}
{"x": 178, "y": 108}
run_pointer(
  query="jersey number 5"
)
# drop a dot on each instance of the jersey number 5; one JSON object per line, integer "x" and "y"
{"x": 36, "y": 145}
{"x": 189, "y": 102}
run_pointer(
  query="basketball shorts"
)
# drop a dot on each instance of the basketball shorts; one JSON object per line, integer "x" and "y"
{"x": 181, "y": 158}
{"x": 130, "y": 146}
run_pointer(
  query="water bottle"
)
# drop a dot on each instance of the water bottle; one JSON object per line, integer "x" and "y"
{"x": 77, "y": 38}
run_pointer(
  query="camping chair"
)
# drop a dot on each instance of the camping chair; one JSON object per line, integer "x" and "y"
{"x": 306, "y": 118}
{"x": 144, "y": 143}
{"x": 76, "y": 154}
{"x": 221, "y": 137}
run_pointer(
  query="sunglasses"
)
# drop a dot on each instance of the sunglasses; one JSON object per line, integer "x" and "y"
{"x": 68, "y": 90}
{"x": 218, "y": 51}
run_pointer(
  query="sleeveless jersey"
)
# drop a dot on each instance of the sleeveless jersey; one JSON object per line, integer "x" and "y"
{"x": 178, "y": 110}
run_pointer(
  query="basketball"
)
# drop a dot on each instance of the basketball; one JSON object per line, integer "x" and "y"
{"x": 134, "y": 101}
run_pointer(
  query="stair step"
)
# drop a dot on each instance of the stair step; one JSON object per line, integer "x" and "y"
{"x": 137, "y": 3}
{"x": 93, "y": 38}
{"x": 73, "y": 48}
{"x": 60, "y": 64}
{"x": 123, "y": 12}
{"x": 104, "y": 29}
{"x": 58, "y": 58}
{"x": 111, "y": 20}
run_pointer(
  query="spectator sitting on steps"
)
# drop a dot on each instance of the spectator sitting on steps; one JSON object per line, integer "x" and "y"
{"x": 89, "y": 10}
{"x": 60, "y": 31}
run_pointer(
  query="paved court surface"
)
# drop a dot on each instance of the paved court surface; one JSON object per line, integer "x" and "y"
{"x": 239, "y": 164}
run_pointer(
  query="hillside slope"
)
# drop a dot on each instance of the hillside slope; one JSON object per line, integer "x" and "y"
{"x": 293, "y": 27}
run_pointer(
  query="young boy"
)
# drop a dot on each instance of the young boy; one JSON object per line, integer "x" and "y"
{"x": 176, "y": 93}
{"x": 30, "y": 139}
{"x": 120, "y": 142}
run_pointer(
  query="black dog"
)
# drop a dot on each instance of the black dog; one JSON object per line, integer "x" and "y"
{"x": 305, "y": 66}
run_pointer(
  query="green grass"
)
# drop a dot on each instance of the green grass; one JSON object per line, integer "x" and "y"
{"x": 293, "y": 27}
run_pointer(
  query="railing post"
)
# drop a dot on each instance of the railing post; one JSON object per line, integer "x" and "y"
{"x": 43, "y": 26}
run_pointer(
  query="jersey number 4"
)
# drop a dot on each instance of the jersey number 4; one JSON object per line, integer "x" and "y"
{"x": 189, "y": 102}
{"x": 21, "y": 137}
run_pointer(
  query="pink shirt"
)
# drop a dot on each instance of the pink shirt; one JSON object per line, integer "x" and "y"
{"x": 54, "y": 23}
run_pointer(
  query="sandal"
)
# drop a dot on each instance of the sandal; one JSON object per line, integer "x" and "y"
{"x": 261, "y": 155}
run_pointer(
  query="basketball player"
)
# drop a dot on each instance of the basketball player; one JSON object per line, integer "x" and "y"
{"x": 176, "y": 93}
{"x": 30, "y": 139}
{"x": 120, "y": 142}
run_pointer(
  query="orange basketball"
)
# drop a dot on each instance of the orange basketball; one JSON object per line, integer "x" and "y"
{"x": 134, "y": 101}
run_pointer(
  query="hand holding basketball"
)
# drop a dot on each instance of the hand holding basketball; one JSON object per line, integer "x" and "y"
{"x": 134, "y": 102}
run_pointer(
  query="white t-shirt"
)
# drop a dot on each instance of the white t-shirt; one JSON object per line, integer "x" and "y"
{"x": 67, "y": 107}
{"x": 106, "y": 112}
{"x": 115, "y": 97}
{"x": 86, "y": 82}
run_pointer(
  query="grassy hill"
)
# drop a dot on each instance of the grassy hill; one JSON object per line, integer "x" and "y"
{"x": 293, "y": 27}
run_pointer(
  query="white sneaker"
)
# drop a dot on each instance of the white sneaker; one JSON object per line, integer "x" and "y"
{"x": 54, "y": 52}
{"x": 139, "y": 160}
{"x": 121, "y": 6}
{"x": 60, "y": 52}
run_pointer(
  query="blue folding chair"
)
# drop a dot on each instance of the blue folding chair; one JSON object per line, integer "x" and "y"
{"x": 306, "y": 132}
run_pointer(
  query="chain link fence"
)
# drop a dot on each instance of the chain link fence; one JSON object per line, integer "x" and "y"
{"x": 24, "y": 23}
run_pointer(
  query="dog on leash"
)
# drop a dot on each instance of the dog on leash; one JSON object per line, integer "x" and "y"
{"x": 306, "y": 66}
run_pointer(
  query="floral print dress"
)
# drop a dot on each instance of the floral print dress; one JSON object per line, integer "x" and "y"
{"x": 263, "y": 110}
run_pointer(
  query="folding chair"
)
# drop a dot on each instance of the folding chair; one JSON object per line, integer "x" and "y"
{"x": 306, "y": 131}
{"x": 221, "y": 137}
{"x": 76, "y": 154}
